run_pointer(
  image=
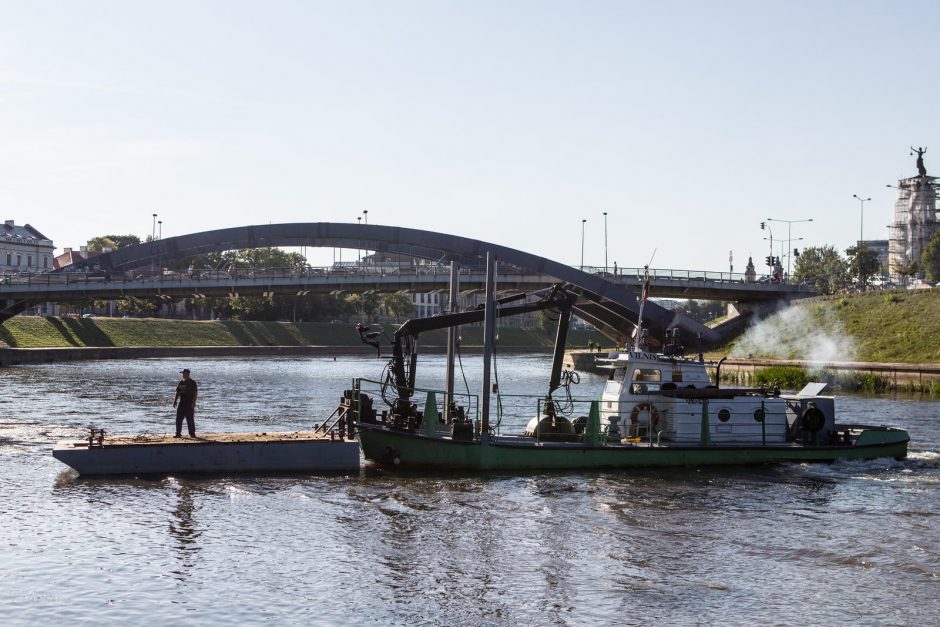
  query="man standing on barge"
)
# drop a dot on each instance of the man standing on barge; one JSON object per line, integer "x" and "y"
{"x": 185, "y": 403}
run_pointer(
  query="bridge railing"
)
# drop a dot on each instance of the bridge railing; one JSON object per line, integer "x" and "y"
{"x": 666, "y": 273}
{"x": 338, "y": 270}
{"x": 102, "y": 276}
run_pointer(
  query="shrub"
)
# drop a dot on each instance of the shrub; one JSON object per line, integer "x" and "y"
{"x": 791, "y": 377}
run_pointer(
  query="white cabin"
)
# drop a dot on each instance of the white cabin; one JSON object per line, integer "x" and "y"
{"x": 637, "y": 400}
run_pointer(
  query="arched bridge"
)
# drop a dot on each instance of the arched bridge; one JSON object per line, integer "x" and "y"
{"x": 608, "y": 302}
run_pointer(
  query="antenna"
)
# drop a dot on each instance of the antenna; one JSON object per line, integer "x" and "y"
{"x": 651, "y": 258}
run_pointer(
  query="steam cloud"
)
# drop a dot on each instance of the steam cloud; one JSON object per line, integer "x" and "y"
{"x": 796, "y": 333}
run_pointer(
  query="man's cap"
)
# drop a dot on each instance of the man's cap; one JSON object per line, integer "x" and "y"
{"x": 185, "y": 370}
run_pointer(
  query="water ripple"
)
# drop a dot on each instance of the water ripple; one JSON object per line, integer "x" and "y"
{"x": 783, "y": 544}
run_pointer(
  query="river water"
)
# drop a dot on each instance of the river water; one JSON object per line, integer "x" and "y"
{"x": 850, "y": 542}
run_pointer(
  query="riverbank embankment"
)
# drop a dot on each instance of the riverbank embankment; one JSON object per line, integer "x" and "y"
{"x": 36, "y": 340}
{"x": 23, "y": 356}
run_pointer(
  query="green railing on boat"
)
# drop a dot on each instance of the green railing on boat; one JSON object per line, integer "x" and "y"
{"x": 648, "y": 428}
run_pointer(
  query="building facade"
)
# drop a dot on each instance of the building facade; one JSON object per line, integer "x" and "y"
{"x": 24, "y": 249}
{"x": 914, "y": 223}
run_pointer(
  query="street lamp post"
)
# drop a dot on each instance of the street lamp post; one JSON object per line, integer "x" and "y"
{"x": 159, "y": 229}
{"x": 790, "y": 224}
{"x": 365, "y": 216}
{"x": 763, "y": 226}
{"x": 861, "y": 218}
{"x": 582, "y": 244}
{"x": 153, "y": 236}
{"x": 605, "y": 242}
{"x": 359, "y": 250}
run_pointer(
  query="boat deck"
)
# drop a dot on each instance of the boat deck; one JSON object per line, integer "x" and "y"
{"x": 152, "y": 439}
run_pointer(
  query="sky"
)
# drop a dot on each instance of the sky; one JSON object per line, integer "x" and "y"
{"x": 689, "y": 123}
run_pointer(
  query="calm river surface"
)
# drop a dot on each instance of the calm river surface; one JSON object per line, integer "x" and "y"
{"x": 847, "y": 543}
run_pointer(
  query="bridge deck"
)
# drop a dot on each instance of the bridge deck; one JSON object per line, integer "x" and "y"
{"x": 99, "y": 284}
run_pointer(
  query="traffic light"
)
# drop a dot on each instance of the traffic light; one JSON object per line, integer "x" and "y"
{"x": 763, "y": 225}
{"x": 776, "y": 260}
{"x": 769, "y": 260}
{"x": 796, "y": 253}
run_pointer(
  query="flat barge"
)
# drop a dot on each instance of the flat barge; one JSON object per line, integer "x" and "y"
{"x": 300, "y": 451}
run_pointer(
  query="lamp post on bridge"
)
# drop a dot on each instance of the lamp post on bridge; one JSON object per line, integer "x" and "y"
{"x": 365, "y": 215}
{"x": 153, "y": 236}
{"x": 861, "y": 217}
{"x": 764, "y": 227}
{"x": 583, "y": 221}
{"x": 605, "y": 242}
{"x": 790, "y": 224}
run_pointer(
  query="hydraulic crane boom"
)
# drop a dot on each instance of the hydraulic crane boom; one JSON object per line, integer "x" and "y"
{"x": 407, "y": 334}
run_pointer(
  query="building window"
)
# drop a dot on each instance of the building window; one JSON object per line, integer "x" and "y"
{"x": 9, "y": 259}
{"x": 19, "y": 260}
{"x": 29, "y": 261}
{"x": 45, "y": 262}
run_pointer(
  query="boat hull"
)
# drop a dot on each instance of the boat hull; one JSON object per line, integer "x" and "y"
{"x": 409, "y": 450}
{"x": 211, "y": 453}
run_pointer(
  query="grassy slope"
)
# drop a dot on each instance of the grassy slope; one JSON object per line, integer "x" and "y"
{"x": 893, "y": 327}
{"x": 884, "y": 327}
{"x": 34, "y": 332}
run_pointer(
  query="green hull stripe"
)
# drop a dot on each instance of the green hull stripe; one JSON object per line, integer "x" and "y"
{"x": 414, "y": 451}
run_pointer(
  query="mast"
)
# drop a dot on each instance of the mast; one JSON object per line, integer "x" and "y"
{"x": 489, "y": 330}
{"x": 451, "y": 343}
{"x": 643, "y": 297}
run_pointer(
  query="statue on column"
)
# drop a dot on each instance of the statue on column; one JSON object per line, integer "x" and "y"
{"x": 921, "y": 170}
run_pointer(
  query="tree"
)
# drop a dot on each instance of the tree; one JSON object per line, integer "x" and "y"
{"x": 245, "y": 258}
{"x": 823, "y": 268}
{"x": 138, "y": 306}
{"x": 365, "y": 304}
{"x": 863, "y": 263}
{"x": 930, "y": 258}
{"x": 398, "y": 305}
{"x": 114, "y": 242}
{"x": 702, "y": 310}
{"x": 906, "y": 270}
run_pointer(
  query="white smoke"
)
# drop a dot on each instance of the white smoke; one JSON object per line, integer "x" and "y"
{"x": 803, "y": 331}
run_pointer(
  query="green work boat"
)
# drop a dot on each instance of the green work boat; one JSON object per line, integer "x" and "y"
{"x": 656, "y": 409}
{"x": 643, "y": 418}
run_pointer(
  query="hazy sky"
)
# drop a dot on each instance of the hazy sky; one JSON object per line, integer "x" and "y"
{"x": 509, "y": 121}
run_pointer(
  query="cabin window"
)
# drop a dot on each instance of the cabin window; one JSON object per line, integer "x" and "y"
{"x": 641, "y": 374}
{"x": 612, "y": 388}
{"x": 645, "y": 381}
{"x": 724, "y": 415}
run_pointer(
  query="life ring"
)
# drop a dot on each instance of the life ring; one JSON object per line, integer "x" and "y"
{"x": 812, "y": 419}
{"x": 654, "y": 414}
